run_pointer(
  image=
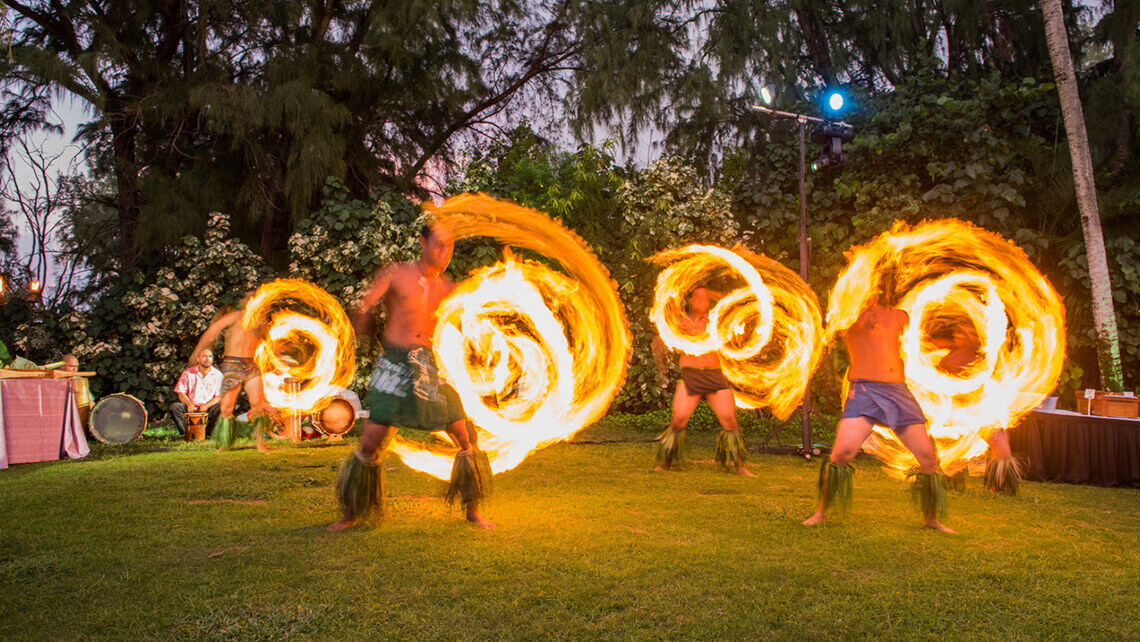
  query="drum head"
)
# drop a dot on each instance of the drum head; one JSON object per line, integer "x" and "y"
{"x": 118, "y": 419}
{"x": 336, "y": 419}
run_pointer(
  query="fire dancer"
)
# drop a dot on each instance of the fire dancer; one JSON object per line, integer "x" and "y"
{"x": 879, "y": 396}
{"x": 701, "y": 378}
{"x": 238, "y": 368}
{"x": 1002, "y": 474}
{"x": 405, "y": 389}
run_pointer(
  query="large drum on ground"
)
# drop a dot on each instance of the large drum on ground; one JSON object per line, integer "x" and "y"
{"x": 338, "y": 416}
{"x": 196, "y": 425}
{"x": 118, "y": 419}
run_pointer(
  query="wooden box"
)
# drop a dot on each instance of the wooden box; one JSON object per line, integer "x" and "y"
{"x": 1108, "y": 404}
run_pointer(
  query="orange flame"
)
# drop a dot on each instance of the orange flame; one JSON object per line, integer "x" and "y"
{"x": 767, "y": 332}
{"x": 316, "y": 348}
{"x": 534, "y": 353}
{"x": 953, "y": 277}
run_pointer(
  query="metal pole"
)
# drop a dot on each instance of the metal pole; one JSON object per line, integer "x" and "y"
{"x": 804, "y": 259}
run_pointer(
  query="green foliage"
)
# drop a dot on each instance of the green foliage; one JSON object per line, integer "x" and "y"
{"x": 139, "y": 334}
{"x": 982, "y": 150}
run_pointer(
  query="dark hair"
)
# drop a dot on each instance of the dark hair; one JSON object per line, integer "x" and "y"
{"x": 425, "y": 232}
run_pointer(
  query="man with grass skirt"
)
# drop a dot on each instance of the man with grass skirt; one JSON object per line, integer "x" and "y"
{"x": 405, "y": 389}
{"x": 701, "y": 378}
{"x": 878, "y": 395}
{"x": 238, "y": 369}
{"x": 1003, "y": 473}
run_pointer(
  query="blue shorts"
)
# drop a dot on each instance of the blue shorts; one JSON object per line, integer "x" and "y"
{"x": 887, "y": 404}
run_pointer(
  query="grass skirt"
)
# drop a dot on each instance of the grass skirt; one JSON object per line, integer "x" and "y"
{"x": 730, "y": 448}
{"x": 470, "y": 479}
{"x": 929, "y": 492}
{"x": 225, "y": 433}
{"x": 360, "y": 486}
{"x": 836, "y": 485}
{"x": 1002, "y": 475}
{"x": 672, "y": 448}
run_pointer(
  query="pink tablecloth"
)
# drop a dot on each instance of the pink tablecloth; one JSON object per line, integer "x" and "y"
{"x": 39, "y": 421}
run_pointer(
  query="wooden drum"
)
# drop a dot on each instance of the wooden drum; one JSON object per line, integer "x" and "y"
{"x": 195, "y": 425}
{"x": 338, "y": 415}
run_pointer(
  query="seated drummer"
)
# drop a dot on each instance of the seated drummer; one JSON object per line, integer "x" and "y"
{"x": 199, "y": 390}
{"x": 79, "y": 386}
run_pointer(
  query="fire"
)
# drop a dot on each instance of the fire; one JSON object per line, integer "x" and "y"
{"x": 767, "y": 332}
{"x": 952, "y": 277}
{"x": 315, "y": 347}
{"x": 536, "y": 354}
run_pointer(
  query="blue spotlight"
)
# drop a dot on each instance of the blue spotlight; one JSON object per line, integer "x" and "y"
{"x": 835, "y": 101}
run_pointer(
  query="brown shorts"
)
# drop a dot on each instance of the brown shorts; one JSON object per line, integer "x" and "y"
{"x": 236, "y": 371}
{"x": 703, "y": 381}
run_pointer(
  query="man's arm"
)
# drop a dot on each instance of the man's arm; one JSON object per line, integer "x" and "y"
{"x": 376, "y": 291}
{"x": 186, "y": 402}
{"x": 212, "y": 332}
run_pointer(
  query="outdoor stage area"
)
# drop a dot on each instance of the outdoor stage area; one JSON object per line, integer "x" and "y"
{"x": 184, "y": 543}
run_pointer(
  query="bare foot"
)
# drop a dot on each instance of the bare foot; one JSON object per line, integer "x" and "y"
{"x": 661, "y": 467}
{"x": 936, "y": 525}
{"x": 813, "y": 520}
{"x": 474, "y": 517}
{"x": 341, "y": 524}
{"x": 744, "y": 472}
{"x": 262, "y": 448}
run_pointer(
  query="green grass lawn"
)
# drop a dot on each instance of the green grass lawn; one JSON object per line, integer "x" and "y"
{"x": 184, "y": 543}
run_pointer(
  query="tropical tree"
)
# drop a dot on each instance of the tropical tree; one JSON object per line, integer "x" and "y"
{"x": 1108, "y": 341}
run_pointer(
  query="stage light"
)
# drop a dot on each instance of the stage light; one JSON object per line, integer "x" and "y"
{"x": 831, "y": 136}
{"x": 768, "y": 94}
{"x": 835, "y": 101}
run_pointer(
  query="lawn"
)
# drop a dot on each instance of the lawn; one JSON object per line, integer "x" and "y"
{"x": 167, "y": 540}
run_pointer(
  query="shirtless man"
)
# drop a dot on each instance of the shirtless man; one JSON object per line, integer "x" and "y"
{"x": 701, "y": 378}
{"x": 238, "y": 367}
{"x": 1002, "y": 474}
{"x": 405, "y": 389}
{"x": 879, "y": 396}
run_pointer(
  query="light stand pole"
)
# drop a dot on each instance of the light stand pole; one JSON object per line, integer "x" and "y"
{"x": 805, "y": 243}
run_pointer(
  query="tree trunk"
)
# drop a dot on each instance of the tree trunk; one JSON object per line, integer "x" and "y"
{"x": 126, "y": 178}
{"x": 1104, "y": 318}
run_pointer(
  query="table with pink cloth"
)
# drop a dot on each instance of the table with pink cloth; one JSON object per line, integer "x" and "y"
{"x": 39, "y": 421}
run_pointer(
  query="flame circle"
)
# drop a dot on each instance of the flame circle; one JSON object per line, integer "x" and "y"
{"x": 767, "y": 333}
{"x": 535, "y": 354}
{"x": 322, "y": 336}
{"x": 948, "y": 273}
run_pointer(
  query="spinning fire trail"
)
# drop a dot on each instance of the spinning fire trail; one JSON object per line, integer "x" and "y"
{"x": 767, "y": 332}
{"x": 952, "y": 277}
{"x": 316, "y": 349}
{"x": 535, "y": 354}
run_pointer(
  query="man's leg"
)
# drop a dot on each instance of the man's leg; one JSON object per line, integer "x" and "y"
{"x": 212, "y": 414}
{"x": 918, "y": 441}
{"x": 224, "y": 430}
{"x": 257, "y": 415}
{"x": 178, "y": 414}
{"x": 834, "y": 478}
{"x": 730, "y": 444}
{"x": 473, "y": 475}
{"x": 672, "y": 441}
{"x": 360, "y": 483}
